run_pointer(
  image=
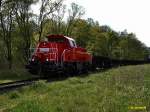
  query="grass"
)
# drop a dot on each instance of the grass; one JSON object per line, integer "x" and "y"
{"x": 114, "y": 90}
{"x": 13, "y": 75}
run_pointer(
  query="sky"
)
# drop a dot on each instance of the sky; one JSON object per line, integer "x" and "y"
{"x": 133, "y": 15}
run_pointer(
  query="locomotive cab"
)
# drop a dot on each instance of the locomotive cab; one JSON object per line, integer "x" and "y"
{"x": 58, "y": 53}
{"x": 72, "y": 42}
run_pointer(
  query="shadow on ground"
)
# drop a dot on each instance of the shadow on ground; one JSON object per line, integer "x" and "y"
{"x": 61, "y": 76}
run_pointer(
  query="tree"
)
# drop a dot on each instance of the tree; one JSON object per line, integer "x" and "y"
{"x": 7, "y": 25}
{"x": 75, "y": 12}
{"x": 48, "y": 7}
{"x": 23, "y": 19}
{"x": 132, "y": 48}
{"x": 112, "y": 42}
{"x": 57, "y": 24}
{"x": 99, "y": 46}
{"x": 80, "y": 32}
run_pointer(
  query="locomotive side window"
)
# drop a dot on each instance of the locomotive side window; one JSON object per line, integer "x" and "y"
{"x": 60, "y": 40}
{"x": 72, "y": 43}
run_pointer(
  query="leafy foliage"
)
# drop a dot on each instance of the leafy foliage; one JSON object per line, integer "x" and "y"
{"x": 21, "y": 29}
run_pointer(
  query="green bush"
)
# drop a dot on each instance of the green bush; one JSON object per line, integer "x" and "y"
{"x": 14, "y": 95}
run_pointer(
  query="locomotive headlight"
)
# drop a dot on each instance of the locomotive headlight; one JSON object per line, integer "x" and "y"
{"x": 33, "y": 59}
{"x": 46, "y": 59}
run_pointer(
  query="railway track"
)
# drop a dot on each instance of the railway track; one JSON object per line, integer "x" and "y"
{"x": 17, "y": 84}
{"x": 4, "y": 87}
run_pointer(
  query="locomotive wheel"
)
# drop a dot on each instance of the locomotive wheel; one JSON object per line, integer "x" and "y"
{"x": 69, "y": 69}
{"x": 33, "y": 72}
{"x": 86, "y": 67}
{"x": 37, "y": 70}
{"x": 79, "y": 67}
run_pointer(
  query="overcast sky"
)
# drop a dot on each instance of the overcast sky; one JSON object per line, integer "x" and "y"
{"x": 133, "y": 15}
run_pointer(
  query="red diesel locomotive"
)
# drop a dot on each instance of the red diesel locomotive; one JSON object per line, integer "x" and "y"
{"x": 59, "y": 53}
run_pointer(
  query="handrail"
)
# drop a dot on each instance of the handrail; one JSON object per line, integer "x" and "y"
{"x": 63, "y": 56}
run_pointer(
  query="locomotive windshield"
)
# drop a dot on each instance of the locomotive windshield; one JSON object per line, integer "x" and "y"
{"x": 61, "y": 40}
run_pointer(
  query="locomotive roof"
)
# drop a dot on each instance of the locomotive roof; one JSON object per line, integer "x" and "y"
{"x": 69, "y": 38}
{"x": 60, "y": 36}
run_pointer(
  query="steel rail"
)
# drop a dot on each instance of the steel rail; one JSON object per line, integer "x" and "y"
{"x": 17, "y": 84}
